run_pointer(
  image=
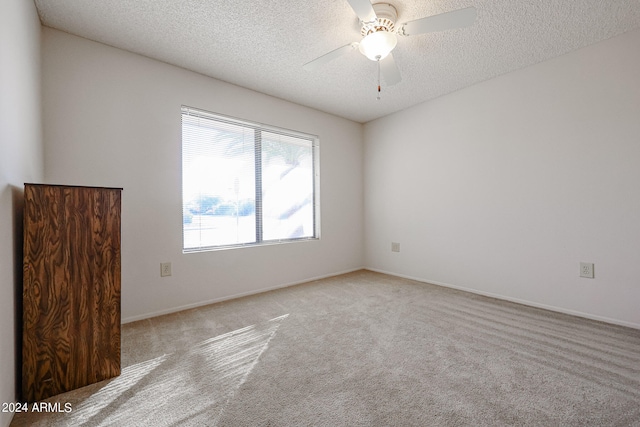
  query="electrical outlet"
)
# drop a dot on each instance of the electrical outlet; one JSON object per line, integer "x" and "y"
{"x": 395, "y": 247}
{"x": 165, "y": 269}
{"x": 586, "y": 270}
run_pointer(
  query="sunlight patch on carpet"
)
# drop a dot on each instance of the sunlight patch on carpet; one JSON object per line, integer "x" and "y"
{"x": 199, "y": 380}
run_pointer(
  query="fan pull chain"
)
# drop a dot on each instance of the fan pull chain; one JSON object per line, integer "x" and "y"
{"x": 378, "y": 61}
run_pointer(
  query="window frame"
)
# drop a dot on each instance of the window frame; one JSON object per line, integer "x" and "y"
{"x": 257, "y": 128}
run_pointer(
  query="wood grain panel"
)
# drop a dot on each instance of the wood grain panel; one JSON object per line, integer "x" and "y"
{"x": 71, "y": 309}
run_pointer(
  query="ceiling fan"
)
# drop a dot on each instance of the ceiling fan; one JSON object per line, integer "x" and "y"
{"x": 379, "y": 32}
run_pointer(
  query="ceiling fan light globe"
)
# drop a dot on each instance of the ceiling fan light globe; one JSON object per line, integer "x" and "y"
{"x": 378, "y": 45}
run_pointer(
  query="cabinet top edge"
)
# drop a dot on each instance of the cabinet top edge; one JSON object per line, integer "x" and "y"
{"x": 71, "y": 186}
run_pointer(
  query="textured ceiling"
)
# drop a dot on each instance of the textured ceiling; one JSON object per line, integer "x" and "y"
{"x": 263, "y": 45}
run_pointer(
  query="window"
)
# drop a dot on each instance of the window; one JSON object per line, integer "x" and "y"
{"x": 246, "y": 183}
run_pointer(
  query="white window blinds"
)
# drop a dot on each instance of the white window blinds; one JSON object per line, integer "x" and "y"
{"x": 245, "y": 183}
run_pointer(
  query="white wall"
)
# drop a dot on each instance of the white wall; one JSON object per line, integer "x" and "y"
{"x": 20, "y": 162}
{"x": 112, "y": 118}
{"x": 504, "y": 187}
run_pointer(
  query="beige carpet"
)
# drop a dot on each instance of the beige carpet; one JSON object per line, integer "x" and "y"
{"x": 364, "y": 349}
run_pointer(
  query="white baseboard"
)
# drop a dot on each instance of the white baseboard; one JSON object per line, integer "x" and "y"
{"x": 516, "y": 300}
{"x": 230, "y": 297}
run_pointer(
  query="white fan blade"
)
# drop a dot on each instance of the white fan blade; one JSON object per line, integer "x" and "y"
{"x": 390, "y": 71}
{"x": 328, "y": 57}
{"x": 364, "y": 10}
{"x": 444, "y": 21}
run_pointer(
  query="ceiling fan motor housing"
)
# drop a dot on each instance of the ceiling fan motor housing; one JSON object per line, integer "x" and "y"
{"x": 387, "y": 16}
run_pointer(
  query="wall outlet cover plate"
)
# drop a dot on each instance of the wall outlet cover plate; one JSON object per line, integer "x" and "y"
{"x": 165, "y": 269}
{"x": 586, "y": 270}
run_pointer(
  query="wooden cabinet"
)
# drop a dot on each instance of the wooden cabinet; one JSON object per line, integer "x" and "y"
{"x": 71, "y": 292}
